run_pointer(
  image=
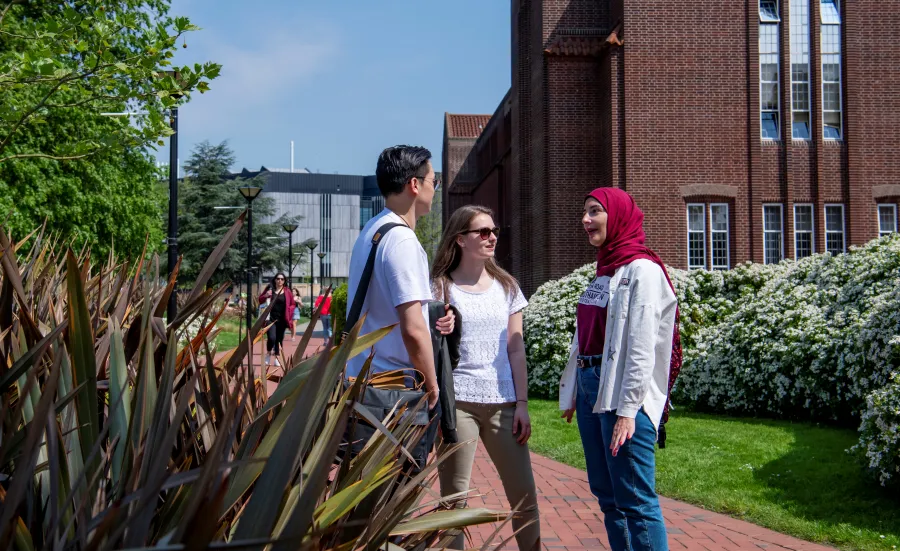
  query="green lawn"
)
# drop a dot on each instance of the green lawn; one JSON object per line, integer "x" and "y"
{"x": 228, "y": 335}
{"x": 794, "y": 478}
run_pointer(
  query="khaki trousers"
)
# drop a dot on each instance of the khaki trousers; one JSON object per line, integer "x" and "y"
{"x": 493, "y": 423}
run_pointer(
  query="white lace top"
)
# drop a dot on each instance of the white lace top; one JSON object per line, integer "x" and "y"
{"x": 484, "y": 375}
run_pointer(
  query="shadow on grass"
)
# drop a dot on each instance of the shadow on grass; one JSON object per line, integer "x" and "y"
{"x": 818, "y": 480}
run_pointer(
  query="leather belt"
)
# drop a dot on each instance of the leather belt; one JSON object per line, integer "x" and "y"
{"x": 584, "y": 362}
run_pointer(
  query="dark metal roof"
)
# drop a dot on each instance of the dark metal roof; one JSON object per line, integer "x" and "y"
{"x": 298, "y": 182}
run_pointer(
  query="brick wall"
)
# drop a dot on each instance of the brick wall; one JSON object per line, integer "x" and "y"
{"x": 672, "y": 116}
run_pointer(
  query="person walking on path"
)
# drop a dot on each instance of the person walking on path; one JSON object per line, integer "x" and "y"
{"x": 298, "y": 305}
{"x": 280, "y": 315}
{"x": 491, "y": 381}
{"x": 325, "y": 315}
{"x": 626, "y": 347}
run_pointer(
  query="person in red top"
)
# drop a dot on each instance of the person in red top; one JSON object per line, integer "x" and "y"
{"x": 325, "y": 315}
{"x": 281, "y": 315}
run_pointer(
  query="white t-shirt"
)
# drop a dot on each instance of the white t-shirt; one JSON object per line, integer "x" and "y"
{"x": 484, "y": 375}
{"x": 400, "y": 276}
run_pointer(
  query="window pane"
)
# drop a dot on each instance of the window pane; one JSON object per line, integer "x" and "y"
{"x": 887, "y": 219}
{"x": 800, "y": 129}
{"x": 772, "y": 218}
{"x": 773, "y": 247}
{"x": 768, "y": 72}
{"x": 720, "y": 250}
{"x": 834, "y": 218}
{"x": 695, "y": 218}
{"x": 831, "y": 96}
{"x": 769, "y": 126}
{"x": 830, "y": 13}
{"x": 831, "y": 68}
{"x": 831, "y": 39}
{"x": 803, "y": 218}
{"x": 768, "y": 10}
{"x": 719, "y": 216}
{"x": 768, "y": 39}
{"x": 768, "y": 98}
{"x": 800, "y": 72}
{"x": 803, "y": 244}
{"x": 834, "y": 242}
{"x": 800, "y": 95}
{"x": 833, "y": 126}
{"x": 696, "y": 251}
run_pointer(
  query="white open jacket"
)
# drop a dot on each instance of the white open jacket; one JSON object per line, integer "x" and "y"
{"x": 640, "y": 320}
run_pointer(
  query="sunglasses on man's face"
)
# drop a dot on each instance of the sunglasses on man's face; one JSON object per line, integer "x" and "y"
{"x": 484, "y": 233}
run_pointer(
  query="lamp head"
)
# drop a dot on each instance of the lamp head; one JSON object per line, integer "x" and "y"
{"x": 290, "y": 228}
{"x": 250, "y": 192}
{"x": 312, "y": 245}
{"x": 321, "y": 255}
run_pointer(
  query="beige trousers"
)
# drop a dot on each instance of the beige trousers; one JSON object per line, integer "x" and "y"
{"x": 494, "y": 424}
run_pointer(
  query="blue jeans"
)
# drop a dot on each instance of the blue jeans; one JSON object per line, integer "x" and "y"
{"x": 326, "y": 325}
{"x": 624, "y": 485}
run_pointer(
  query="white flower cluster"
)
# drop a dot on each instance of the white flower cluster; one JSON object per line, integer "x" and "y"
{"x": 879, "y": 432}
{"x": 815, "y": 338}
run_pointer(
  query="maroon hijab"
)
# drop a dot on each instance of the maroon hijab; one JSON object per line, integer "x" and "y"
{"x": 624, "y": 233}
{"x": 624, "y": 244}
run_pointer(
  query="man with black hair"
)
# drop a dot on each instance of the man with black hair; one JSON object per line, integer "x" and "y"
{"x": 400, "y": 288}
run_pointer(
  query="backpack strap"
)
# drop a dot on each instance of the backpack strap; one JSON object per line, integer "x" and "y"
{"x": 362, "y": 290}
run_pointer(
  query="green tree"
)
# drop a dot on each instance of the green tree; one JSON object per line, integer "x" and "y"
{"x": 430, "y": 227}
{"x": 95, "y": 56}
{"x": 91, "y": 178}
{"x": 201, "y": 225}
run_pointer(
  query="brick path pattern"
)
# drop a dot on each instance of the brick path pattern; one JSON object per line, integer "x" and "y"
{"x": 570, "y": 515}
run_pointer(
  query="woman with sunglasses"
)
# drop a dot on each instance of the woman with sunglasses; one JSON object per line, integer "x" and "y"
{"x": 281, "y": 315}
{"x": 490, "y": 382}
{"x": 617, "y": 381}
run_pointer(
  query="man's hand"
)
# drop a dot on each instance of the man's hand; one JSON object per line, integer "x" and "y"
{"x": 522, "y": 423}
{"x": 446, "y": 324}
{"x": 567, "y": 414}
{"x": 622, "y": 432}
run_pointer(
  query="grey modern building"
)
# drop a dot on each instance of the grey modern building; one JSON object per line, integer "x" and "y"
{"x": 332, "y": 209}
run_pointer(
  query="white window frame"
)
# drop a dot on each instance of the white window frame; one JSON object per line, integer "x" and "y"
{"x": 687, "y": 212}
{"x": 779, "y": 120}
{"x": 843, "y": 231}
{"x": 881, "y": 231}
{"x": 713, "y": 231}
{"x": 800, "y": 40}
{"x": 811, "y": 232}
{"x": 766, "y": 231}
{"x": 840, "y": 67}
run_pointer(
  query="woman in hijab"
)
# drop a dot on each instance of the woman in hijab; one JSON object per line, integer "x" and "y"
{"x": 626, "y": 347}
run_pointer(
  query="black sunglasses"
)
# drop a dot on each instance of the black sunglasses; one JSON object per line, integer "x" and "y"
{"x": 484, "y": 233}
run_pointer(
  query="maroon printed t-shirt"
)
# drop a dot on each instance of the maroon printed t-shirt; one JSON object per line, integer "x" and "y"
{"x": 591, "y": 316}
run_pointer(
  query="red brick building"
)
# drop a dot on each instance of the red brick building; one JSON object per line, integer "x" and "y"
{"x": 747, "y": 130}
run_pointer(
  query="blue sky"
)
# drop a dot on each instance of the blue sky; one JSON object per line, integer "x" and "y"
{"x": 343, "y": 79}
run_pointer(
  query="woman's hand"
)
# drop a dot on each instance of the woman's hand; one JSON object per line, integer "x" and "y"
{"x": 622, "y": 432}
{"x": 567, "y": 414}
{"x": 522, "y": 423}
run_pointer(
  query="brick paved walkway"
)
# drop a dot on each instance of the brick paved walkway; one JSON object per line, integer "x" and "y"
{"x": 571, "y": 518}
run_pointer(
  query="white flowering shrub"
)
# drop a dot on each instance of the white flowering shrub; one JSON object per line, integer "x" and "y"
{"x": 879, "y": 432}
{"x": 815, "y": 339}
{"x": 549, "y": 323}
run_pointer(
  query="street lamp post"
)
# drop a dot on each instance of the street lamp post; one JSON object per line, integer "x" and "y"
{"x": 172, "y": 239}
{"x": 290, "y": 229}
{"x": 321, "y": 256}
{"x": 250, "y": 193}
{"x": 312, "y": 246}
